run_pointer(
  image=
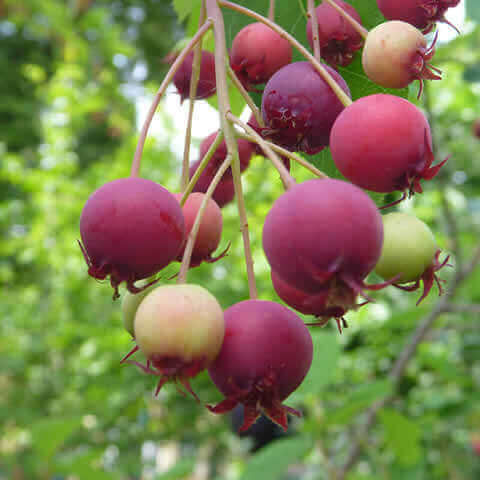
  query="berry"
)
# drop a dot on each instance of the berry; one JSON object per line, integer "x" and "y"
{"x": 383, "y": 143}
{"x": 179, "y": 329}
{"x": 265, "y": 356}
{"x": 130, "y": 303}
{"x": 409, "y": 253}
{"x": 476, "y": 128}
{"x": 324, "y": 236}
{"x": 338, "y": 39}
{"x": 299, "y": 107}
{"x": 422, "y": 14}
{"x": 209, "y": 233}
{"x": 131, "y": 228}
{"x": 225, "y": 190}
{"x": 206, "y": 86}
{"x": 257, "y": 53}
{"x": 395, "y": 54}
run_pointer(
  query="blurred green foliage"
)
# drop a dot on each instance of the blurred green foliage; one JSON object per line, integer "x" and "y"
{"x": 72, "y": 73}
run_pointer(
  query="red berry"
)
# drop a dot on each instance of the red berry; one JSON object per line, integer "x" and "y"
{"x": 257, "y": 53}
{"x": 476, "y": 127}
{"x": 131, "y": 228}
{"x": 266, "y": 353}
{"x": 337, "y": 38}
{"x": 206, "y": 86}
{"x": 299, "y": 107}
{"x": 383, "y": 143}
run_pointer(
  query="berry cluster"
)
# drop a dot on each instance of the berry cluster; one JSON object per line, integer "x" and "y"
{"x": 322, "y": 237}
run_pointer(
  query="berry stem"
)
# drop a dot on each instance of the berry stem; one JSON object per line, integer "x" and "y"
{"x": 287, "y": 153}
{"x": 341, "y": 95}
{"x": 246, "y": 96}
{"x": 313, "y": 17}
{"x": 166, "y": 81}
{"x": 359, "y": 28}
{"x": 221, "y": 55}
{"x": 197, "y": 56}
{"x": 287, "y": 180}
{"x": 187, "y": 255}
{"x": 201, "y": 167}
{"x": 271, "y": 11}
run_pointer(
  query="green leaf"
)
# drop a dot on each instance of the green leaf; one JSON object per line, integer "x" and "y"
{"x": 402, "y": 436}
{"x": 273, "y": 460}
{"x": 184, "y": 8}
{"x": 473, "y": 10}
{"x": 180, "y": 470}
{"x": 48, "y": 435}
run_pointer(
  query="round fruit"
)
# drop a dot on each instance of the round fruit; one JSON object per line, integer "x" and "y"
{"x": 422, "y": 14}
{"x": 206, "y": 86}
{"x": 325, "y": 236}
{"x": 130, "y": 303}
{"x": 299, "y": 107}
{"x": 180, "y": 330}
{"x": 395, "y": 54}
{"x": 338, "y": 39}
{"x": 476, "y": 128}
{"x": 383, "y": 143}
{"x": 257, "y": 53}
{"x": 265, "y": 356}
{"x": 131, "y": 228}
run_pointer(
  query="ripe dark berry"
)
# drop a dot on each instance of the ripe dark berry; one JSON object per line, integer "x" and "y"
{"x": 338, "y": 39}
{"x": 131, "y": 228}
{"x": 299, "y": 107}
{"x": 257, "y": 53}
{"x": 476, "y": 128}
{"x": 266, "y": 353}
{"x": 206, "y": 86}
{"x": 383, "y": 143}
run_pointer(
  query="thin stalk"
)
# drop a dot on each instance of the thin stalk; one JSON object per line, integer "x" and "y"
{"x": 197, "y": 57}
{"x": 187, "y": 255}
{"x": 342, "y": 96}
{"x": 287, "y": 180}
{"x": 271, "y": 10}
{"x": 215, "y": 14}
{"x": 253, "y": 107}
{"x": 287, "y": 153}
{"x": 313, "y": 17}
{"x": 201, "y": 167}
{"x": 359, "y": 28}
{"x": 166, "y": 81}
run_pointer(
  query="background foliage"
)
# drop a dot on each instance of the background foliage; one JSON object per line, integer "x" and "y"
{"x": 72, "y": 71}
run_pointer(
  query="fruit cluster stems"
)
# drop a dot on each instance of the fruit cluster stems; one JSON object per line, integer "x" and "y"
{"x": 359, "y": 28}
{"x": 313, "y": 17}
{"x": 221, "y": 57}
{"x": 271, "y": 10}
{"x": 134, "y": 172}
{"x": 196, "y": 65}
{"x": 341, "y": 95}
{"x": 287, "y": 180}
{"x": 187, "y": 255}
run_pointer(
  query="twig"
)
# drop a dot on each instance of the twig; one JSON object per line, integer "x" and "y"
{"x": 271, "y": 10}
{"x": 312, "y": 15}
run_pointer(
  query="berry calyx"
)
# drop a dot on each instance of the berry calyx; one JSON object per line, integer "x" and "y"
{"x": 338, "y": 39}
{"x": 180, "y": 330}
{"x": 265, "y": 356}
{"x": 257, "y": 53}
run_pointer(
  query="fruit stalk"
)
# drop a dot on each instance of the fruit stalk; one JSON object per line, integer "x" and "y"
{"x": 271, "y": 10}
{"x": 215, "y": 14}
{"x": 287, "y": 180}
{"x": 187, "y": 255}
{"x": 156, "y": 100}
{"x": 359, "y": 28}
{"x": 197, "y": 56}
{"x": 341, "y": 95}
{"x": 313, "y": 17}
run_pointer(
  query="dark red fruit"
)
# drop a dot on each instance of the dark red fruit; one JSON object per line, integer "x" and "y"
{"x": 266, "y": 353}
{"x": 422, "y": 14}
{"x": 225, "y": 190}
{"x": 257, "y": 53}
{"x": 324, "y": 236}
{"x": 476, "y": 128}
{"x": 245, "y": 150}
{"x": 338, "y": 39}
{"x": 206, "y": 86}
{"x": 131, "y": 228}
{"x": 299, "y": 108}
{"x": 383, "y": 143}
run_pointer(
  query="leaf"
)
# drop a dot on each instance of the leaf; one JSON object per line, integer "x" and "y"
{"x": 180, "y": 470}
{"x": 184, "y": 8}
{"x": 274, "y": 459}
{"x": 402, "y": 436}
{"x": 473, "y": 10}
{"x": 48, "y": 435}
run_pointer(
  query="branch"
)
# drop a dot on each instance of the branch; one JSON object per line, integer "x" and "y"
{"x": 313, "y": 17}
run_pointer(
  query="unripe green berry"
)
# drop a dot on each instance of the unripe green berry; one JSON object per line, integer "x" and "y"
{"x": 130, "y": 303}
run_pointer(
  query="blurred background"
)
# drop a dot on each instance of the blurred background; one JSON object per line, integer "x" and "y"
{"x": 77, "y": 77}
